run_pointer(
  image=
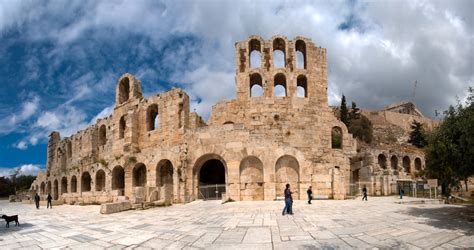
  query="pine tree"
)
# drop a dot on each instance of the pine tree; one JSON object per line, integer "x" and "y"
{"x": 417, "y": 135}
{"x": 344, "y": 112}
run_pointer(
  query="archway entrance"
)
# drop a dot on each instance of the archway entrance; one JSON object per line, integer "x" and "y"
{"x": 211, "y": 178}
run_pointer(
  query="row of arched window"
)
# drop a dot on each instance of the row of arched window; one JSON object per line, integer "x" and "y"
{"x": 382, "y": 162}
{"x": 118, "y": 182}
{"x": 280, "y": 85}
{"x": 279, "y": 53}
{"x": 152, "y": 121}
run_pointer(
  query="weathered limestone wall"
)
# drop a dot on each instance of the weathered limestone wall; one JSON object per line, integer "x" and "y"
{"x": 154, "y": 148}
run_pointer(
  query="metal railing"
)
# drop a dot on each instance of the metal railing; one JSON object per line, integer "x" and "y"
{"x": 211, "y": 192}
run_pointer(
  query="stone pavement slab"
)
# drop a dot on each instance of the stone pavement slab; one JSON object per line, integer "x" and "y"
{"x": 378, "y": 223}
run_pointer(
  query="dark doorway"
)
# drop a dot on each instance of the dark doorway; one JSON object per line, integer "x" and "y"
{"x": 212, "y": 180}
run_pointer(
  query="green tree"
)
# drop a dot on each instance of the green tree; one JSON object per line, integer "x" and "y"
{"x": 6, "y": 187}
{"x": 417, "y": 135}
{"x": 361, "y": 129}
{"x": 354, "y": 114}
{"x": 344, "y": 113}
{"x": 450, "y": 149}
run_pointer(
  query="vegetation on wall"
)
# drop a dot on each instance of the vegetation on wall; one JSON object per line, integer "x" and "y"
{"x": 357, "y": 124}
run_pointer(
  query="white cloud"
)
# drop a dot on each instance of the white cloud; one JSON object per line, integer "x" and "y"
{"x": 375, "y": 62}
{"x": 102, "y": 114}
{"x": 28, "y": 109}
{"x": 26, "y": 169}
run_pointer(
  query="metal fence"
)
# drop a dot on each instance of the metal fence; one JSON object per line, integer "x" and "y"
{"x": 211, "y": 192}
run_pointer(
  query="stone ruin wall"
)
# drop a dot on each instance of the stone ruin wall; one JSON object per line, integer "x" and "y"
{"x": 262, "y": 142}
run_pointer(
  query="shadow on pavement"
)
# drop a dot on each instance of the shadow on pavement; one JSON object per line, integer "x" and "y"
{"x": 13, "y": 228}
{"x": 447, "y": 217}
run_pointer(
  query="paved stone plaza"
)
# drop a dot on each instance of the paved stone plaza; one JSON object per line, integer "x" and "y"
{"x": 380, "y": 222}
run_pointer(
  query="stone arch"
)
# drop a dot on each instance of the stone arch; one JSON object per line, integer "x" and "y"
{"x": 118, "y": 178}
{"x": 210, "y": 170}
{"x": 122, "y": 127}
{"x": 100, "y": 180}
{"x": 287, "y": 171}
{"x": 102, "y": 135}
{"x": 406, "y": 164}
{"x": 164, "y": 178}
{"x": 336, "y": 137}
{"x": 64, "y": 185}
{"x": 279, "y": 53}
{"x": 382, "y": 161}
{"x": 228, "y": 122}
{"x": 124, "y": 90}
{"x": 418, "y": 164}
{"x": 152, "y": 118}
{"x": 48, "y": 188}
{"x": 251, "y": 179}
{"x": 139, "y": 175}
{"x": 301, "y": 86}
{"x": 42, "y": 188}
{"x": 300, "y": 48}
{"x": 86, "y": 182}
{"x": 394, "y": 162}
{"x": 73, "y": 184}
{"x": 55, "y": 190}
{"x": 279, "y": 83}
{"x": 255, "y": 53}
{"x": 256, "y": 85}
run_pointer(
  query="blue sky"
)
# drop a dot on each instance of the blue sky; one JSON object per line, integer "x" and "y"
{"x": 60, "y": 60}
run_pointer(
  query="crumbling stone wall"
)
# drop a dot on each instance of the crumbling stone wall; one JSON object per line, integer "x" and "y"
{"x": 154, "y": 148}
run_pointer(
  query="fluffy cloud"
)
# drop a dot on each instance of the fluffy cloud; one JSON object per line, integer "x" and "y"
{"x": 376, "y": 50}
{"x": 27, "y": 169}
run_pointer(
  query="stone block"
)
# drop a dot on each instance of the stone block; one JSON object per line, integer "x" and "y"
{"x": 109, "y": 208}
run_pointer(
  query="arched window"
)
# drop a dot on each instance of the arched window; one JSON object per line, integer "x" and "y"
{"x": 122, "y": 126}
{"x": 64, "y": 185}
{"x": 256, "y": 86}
{"x": 139, "y": 175}
{"x": 100, "y": 180}
{"x": 300, "y": 47}
{"x": 280, "y": 84}
{"x": 336, "y": 137}
{"x": 255, "y": 53}
{"x": 86, "y": 182}
{"x": 73, "y": 184}
{"x": 406, "y": 164}
{"x": 102, "y": 135}
{"x": 418, "y": 164}
{"x": 279, "y": 57}
{"x": 118, "y": 178}
{"x": 301, "y": 86}
{"x": 382, "y": 160}
{"x": 124, "y": 90}
{"x": 152, "y": 117}
{"x": 394, "y": 162}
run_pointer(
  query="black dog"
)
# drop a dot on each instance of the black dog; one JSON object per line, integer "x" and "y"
{"x": 9, "y": 219}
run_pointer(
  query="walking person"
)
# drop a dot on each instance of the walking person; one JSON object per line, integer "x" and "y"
{"x": 288, "y": 201}
{"x": 37, "y": 201}
{"x": 364, "y": 192}
{"x": 402, "y": 192}
{"x": 49, "y": 198}
{"x": 310, "y": 194}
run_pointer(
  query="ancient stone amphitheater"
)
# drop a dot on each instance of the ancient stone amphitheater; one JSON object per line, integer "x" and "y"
{"x": 277, "y": 130}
